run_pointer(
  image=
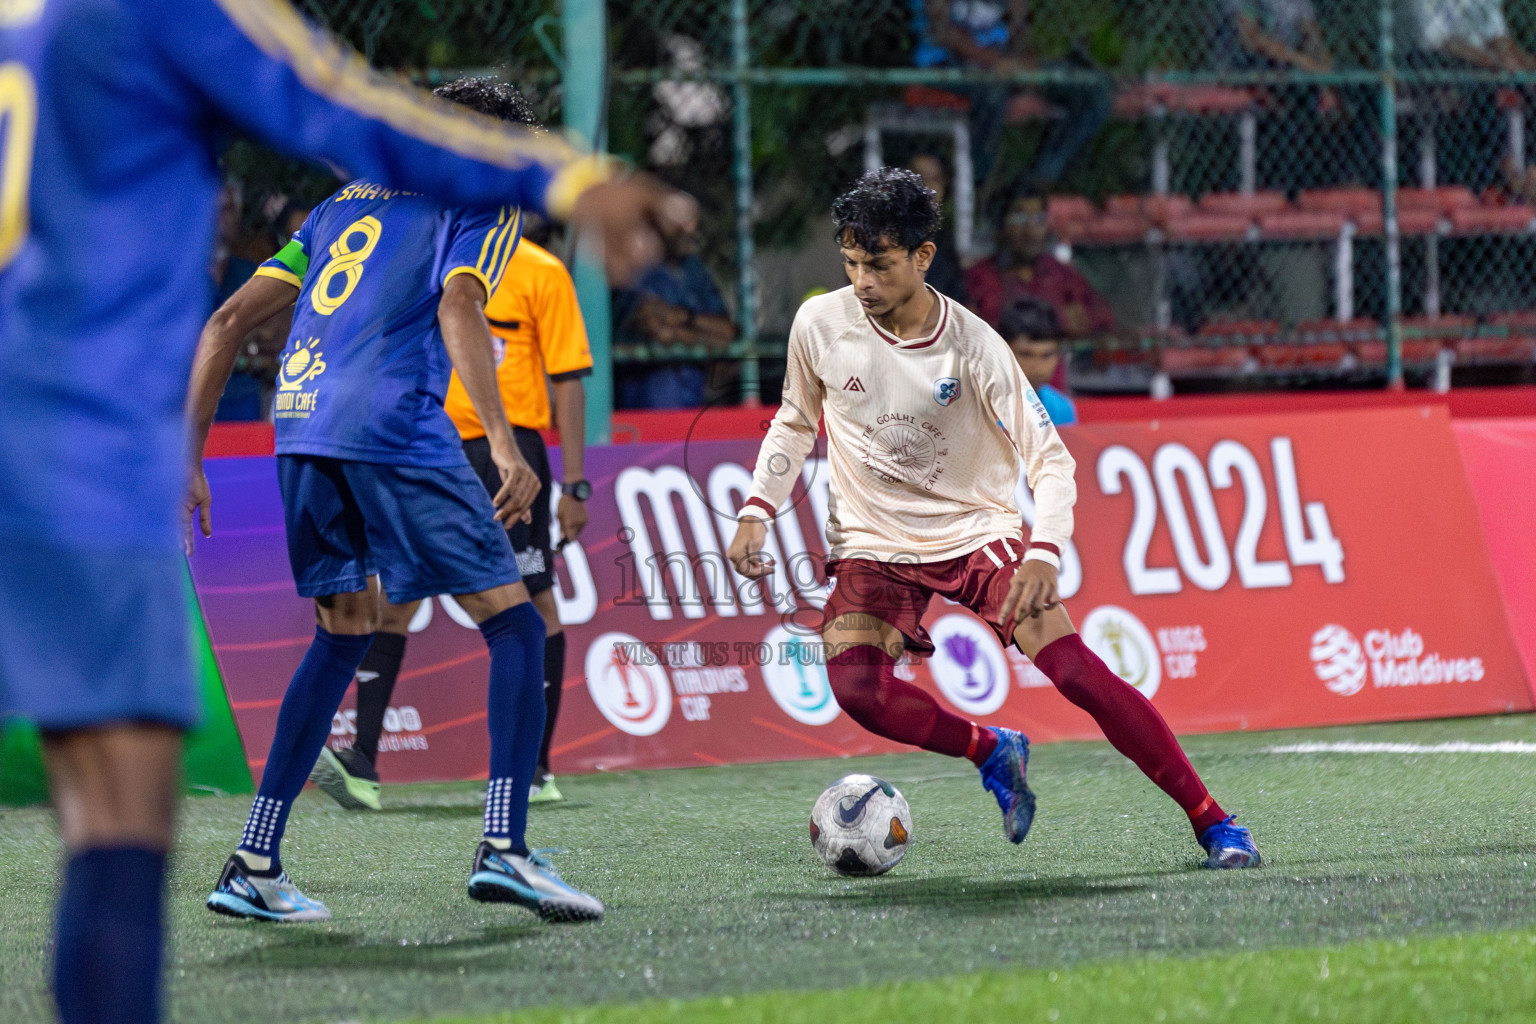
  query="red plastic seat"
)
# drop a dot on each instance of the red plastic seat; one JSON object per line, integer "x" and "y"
{"x": 1149, "y": 98}
{"x": 1158, "y": 209}
{"x": 1486, "y": 220}
{"x": 1351, "y": 202}
{"x": 1027, "y": 106}
{"x": 1496, "y": 350}
{"x": 1112, "y": 229}
{"x": 1243, "y": 204}
{"x": 1302, "y": 224}
{"x": 936, "y": 99}
{"x": 1189, "y": 360}
{"x": 1444, "y": 199}
{"x": 1299, "y": 355}
{"x": 1516, "y": 322}
{"x": 1411, "y": 220}
{"x": 1207, "y": 227}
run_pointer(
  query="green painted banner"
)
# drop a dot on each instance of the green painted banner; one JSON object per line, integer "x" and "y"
{"x": 215, "y": 757}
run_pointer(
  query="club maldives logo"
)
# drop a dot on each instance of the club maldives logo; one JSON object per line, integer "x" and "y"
{"x": 1339, "y": 660}
{"x": 1394, "y": 660}
{"x": 632, "y": 692}
{"x": 1125, "y": 645}
{"x": 797, "y": 679}
{"x": 968, "y": 664}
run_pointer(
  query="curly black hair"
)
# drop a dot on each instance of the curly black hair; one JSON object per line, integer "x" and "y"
{"x": 890, "y": 203}
{"x": 492, "y": 98}
{"x": 1030, "y": 318}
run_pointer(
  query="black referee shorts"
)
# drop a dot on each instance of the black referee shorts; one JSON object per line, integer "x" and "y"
{"x": 530, "y": 541}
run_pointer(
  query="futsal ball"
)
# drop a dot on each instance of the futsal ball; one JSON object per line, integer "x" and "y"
{"x": 861, "y": 825}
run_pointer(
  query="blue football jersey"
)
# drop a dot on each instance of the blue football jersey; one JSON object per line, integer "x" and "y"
{"x": 112, "y": 113}
{"x": 365, "y": 371}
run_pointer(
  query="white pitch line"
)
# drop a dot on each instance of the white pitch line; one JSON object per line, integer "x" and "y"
{"x": 1454, "y": 747}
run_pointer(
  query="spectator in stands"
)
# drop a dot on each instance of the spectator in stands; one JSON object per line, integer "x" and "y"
{"x": 1029, "y": 327}
{"x": 1458, "y": 35}
{"x": 944, "y": 273}
{"x": 995, "y": 35}
{"x": 1308, "y": 137}
{"x": 674, "y": 303}
{"x": 1025, "y": 267}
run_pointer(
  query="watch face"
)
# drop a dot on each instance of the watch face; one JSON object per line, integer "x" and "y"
{"x": 581, "y": 490}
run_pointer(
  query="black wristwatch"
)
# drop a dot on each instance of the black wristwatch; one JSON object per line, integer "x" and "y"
{"x": 581, "y": 490}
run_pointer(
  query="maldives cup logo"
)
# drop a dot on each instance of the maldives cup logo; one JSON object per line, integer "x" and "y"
{"x": 969, "y": 665}
{"x": 628, "y": 685}
{"x": 946, "y": 390}
{"x": 1125, "y": 645}
{"x": 797, "y": 679}
{"x": 1339, "y": 660}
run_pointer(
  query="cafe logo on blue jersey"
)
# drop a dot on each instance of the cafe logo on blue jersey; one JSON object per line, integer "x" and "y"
{"x": 299, "y": 367}
{"x": 946, "y": 390}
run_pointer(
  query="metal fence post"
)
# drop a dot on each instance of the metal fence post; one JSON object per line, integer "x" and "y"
{"x": 1390, "y": 232}
{"x": 751, "y": 381}
{"x": 583, "y": 85}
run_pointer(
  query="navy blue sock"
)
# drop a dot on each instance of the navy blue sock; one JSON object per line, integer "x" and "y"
{"x": 515, "y": 713}
{"x": 303, "y": 723}
{"x": 106, "y": 967}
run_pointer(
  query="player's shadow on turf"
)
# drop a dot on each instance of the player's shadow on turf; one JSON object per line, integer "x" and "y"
{"x": 330, "y": 950}
{"x": 964, "y": 895}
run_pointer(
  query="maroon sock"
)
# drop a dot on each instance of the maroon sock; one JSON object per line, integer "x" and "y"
{"x": 863, "y": 679}
{"x": 1130, "y": 723}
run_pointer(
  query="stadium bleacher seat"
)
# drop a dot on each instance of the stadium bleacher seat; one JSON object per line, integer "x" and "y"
{"x": 1482, "y": 220}
{"x": 1251, "y": 205}
{"x": 1302, "y": 225}
{"x": 1201, "y": 226}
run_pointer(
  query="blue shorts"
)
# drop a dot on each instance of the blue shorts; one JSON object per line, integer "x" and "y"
{"x": 423, "y": 530}
{"x": 90, "y": 638}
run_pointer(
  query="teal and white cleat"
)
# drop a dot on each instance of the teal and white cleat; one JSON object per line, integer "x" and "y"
{"x": 242, "y": 893}
{"x": 1229, "y": 845}
{"x": 347, "y": 777}
{"x": 545, "y": 792}
{"x": 531, "y": 882}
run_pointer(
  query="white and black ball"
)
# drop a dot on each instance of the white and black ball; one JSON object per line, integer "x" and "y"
{"x": 861, "y": 825}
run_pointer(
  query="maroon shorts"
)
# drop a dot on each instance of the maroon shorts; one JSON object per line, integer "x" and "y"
{"x": 898, "y": 592}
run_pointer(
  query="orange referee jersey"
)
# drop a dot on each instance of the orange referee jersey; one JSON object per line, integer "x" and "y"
{"x": 537, "y": 324}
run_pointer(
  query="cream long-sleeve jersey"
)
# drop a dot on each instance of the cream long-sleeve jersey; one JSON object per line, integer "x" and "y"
{"x": 924, "y": 436}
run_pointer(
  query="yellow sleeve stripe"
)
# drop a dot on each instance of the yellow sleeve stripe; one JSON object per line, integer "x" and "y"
{"x": 456, "y": 271}
{"x": 485, "y": 247}
{"x": 339, "y": 74}
{"x": 506, "y": 247}
{"x": 286, "y": 276}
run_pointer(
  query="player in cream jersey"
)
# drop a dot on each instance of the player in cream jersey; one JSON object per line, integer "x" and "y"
{"x": 927, "y": 417}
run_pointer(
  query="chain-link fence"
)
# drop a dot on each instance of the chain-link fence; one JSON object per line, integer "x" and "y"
{"x": 1208, "y": 193}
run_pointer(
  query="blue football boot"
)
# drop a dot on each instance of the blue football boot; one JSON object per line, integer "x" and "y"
{"x": 1229, "y": 845}
{"x": 1003, "y": 775}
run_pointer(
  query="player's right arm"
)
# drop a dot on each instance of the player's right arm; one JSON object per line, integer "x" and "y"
{"x": 260, "y": 64}
{"x": 790, "y": 438}
{"x": 256, "y": 302}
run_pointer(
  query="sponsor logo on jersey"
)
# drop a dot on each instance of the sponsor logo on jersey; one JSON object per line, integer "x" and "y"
{"x": 854, "y": 384}
{"x": 298, "y": 368}
{"x": 797, "y": 678}
{"x": 1387, "y": 659}
{"x": 946, "y": 390}
{"x": 635, "y": 696}
{"x": 1125, "y": 645}
{"x": 904, "y": 449}
{"x": 1043, "y": 417}
{"x": 968, "y": 664}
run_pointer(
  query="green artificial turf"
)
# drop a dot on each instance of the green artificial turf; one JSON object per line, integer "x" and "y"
{"x": 713, "y": 890}
{"x": 1480, "y": 978}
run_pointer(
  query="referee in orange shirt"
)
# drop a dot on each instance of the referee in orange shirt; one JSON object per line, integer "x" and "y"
{"x": 540, "y": 334}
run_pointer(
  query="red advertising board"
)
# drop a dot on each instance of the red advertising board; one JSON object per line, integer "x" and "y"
{"x": 1253, "y": 572}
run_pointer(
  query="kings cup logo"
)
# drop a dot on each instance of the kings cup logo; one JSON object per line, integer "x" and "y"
{"x": 969, "y": 665}
{"x": 630, "y": 688}
{"x": 1125, "y": 645}
{"x": 946, "y": 390}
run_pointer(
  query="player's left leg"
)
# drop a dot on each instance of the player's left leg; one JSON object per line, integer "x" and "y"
{"x": 1135, "y": 728}
{"x": 544, "y": 789}
{"x": 505, "y": 869}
